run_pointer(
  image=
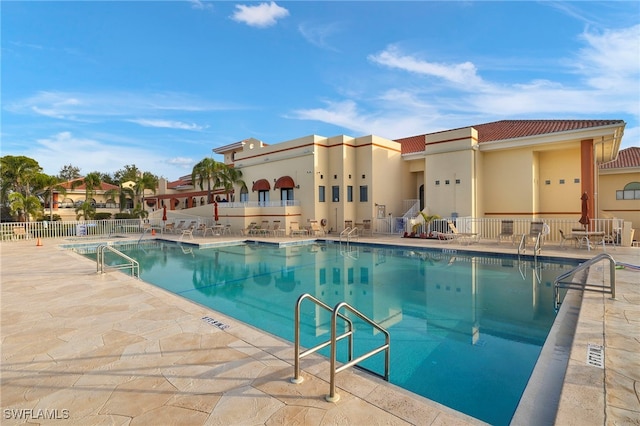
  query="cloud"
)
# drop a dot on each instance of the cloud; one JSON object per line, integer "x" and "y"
{"x": 318, "y": 34}
{"x": 168, "y": 124}
{"x": 456, "y": 95}
{"x": 261, "y": 16}
{"x": 462, "y": 74}
{"x": 200, "y": 5}
{"x": 102, "y": 154}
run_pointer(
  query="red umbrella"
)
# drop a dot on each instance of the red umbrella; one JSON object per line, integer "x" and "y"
{"x": 215, "y": 212}
{"x": 164, "y": 213}
{"x": 584, "y": 218}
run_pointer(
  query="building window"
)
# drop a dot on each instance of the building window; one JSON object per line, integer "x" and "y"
{"x": 244, "y": 195}
{"x": 335, "y": 193}
{"x": 437, "y": 182}
{"x": 263, "y": 197}
{"x": 349, "y": 194}
{"x": 321, "y": 194}
{"x": 286, "y": 194}
{"x": 547, "y": 182}
{"x": 457, "y": 181}
{"x": 561, "y": 181}
{"x": 576, "y": 180}
{"x": 631, "y": 191}
{"x": 364, "y": 194}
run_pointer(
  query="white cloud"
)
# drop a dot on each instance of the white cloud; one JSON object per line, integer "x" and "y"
{"x": 168, "y": 124}
{"x": 200, "y": 5}
{"x": 318, "y": 34}
{"x": 260, "y": 16}
{"x": 462, "y": 74}
{"x": 91, "y": 154}
{"x": 608, "y": 85}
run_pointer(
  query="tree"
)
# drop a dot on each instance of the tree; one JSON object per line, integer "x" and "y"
{"x": 69, "y": 172}
{"x": 86, "y": 210}
{"x": 47, "y": 185}
{"x": 91, "y": 182}
{"x": 229, "y": 177}
{"x": 17, "y": 174}
{"x": 122, "y": 194}
{"x": 143, "y": 182}
{"x": 129, "y": 173}
{"x": 24, "y": 206}
{"x": 208, "y": 170}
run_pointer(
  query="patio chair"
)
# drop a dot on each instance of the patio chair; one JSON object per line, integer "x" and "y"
{"x": 366, "y": 228}
{"x": 294, "y": 229}
{"x": 188, "y": 231}
{"x": 263, "y": 229}
{"x": 571, "y": 238}
{"x": 203, "y": 227}
{"x": 468, "y": 237}
{"x": 315, "y": 229}
{"x": 248, "y": 230}
{"x": 506, "y": 231}
{"x": 537, "y": 232}
{"x": 276, "y": 230}
{"x": 175, "y": 228}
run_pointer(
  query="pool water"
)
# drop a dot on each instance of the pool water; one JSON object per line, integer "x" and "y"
{"x": 466, "y": 330}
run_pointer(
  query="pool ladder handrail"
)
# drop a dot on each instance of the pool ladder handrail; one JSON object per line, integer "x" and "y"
{"x": 335, "y": 313}
{"x": 349, "y": 233}
{"x": 101, "y": 266}
{"x": 560, "y": 283}
{"x": 523, "y": 245}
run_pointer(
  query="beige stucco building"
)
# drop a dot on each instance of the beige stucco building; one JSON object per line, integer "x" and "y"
{"x": 506, "y": 169}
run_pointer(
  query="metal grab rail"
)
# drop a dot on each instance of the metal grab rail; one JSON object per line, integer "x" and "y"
{"x": 349, "y": 233}
{"x": 536, "y": 247}
{"x": 131, "y": 263}
{"x": 560, "y": 283}
{"x": 296, "y": 331}
{"x": 333, "y": 397}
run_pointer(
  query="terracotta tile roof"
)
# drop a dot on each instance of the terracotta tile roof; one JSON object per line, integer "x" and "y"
{"x": 629, "y": 157}
{"x": 510, "y": 129}
{"x": 412, "y": 144}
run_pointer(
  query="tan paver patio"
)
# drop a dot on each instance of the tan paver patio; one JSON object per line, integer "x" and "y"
{"x": 92, "y": 349}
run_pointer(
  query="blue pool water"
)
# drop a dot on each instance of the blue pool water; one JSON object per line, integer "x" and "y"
{"x": 466, "y": 330}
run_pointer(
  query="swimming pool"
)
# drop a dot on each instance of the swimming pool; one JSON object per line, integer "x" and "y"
{"x": 466, "y": 330}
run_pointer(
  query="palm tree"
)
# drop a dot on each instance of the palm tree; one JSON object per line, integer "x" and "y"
{"x": 24, "y": 207}
{"x": 91, "y": 182}
{"x": 143, "y": 182}
{"x": 86, "y": 210}
{"x": 208, "y": 170}
{"x": 122, "y": 194}
{"x": 48, "y": 185}
{"x": 229, "y": 177}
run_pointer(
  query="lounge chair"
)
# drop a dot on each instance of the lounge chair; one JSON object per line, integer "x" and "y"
{"x": 316, "y": 230}
{"x": 248, "y": 230}
{"x": 506, "y": 231}
{"x": 263, "y": 230}
{"x": 175, "y": 228}
{"x": 276, "y": 230}
{"x": 294, "y": 229}
{"x": 366, "y": 228}
{"x": 571, "y": 238}
{"x": 537, "y": 232}
{"x": 188, "y": 231}
{"x": 203, "y": 227}
{"x": 468, "y": 237}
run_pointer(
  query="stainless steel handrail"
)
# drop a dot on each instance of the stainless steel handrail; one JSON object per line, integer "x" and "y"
{"x": 297, "y": 354}
{"x": 560, "y": 283}
{"x": 345, "y": 232}
{"x": 101, "y": 267}
{"x": 333, "y": 397}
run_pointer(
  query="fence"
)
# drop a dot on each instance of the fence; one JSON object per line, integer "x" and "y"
{"x": 489, "y": 228}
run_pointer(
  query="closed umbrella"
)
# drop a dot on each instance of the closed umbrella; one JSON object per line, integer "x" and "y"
{"x": 215, "y": 212}
{"x": 584, "y": 218}
{"x": 164, "y": 213}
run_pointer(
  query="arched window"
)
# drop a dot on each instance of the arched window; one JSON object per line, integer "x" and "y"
{"x": 244, "y": 194}
{"x": 631, "y": 191}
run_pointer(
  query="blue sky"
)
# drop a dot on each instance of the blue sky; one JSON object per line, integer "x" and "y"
{"x": 160, "y": 84}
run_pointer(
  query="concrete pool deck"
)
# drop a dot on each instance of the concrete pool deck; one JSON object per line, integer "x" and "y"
{"x": 83, "y": 348}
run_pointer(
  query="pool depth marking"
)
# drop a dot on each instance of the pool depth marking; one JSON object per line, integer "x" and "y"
{"x": 215, "y": 323}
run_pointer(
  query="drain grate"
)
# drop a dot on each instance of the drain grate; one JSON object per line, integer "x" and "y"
{"x": 595, "y": 355}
